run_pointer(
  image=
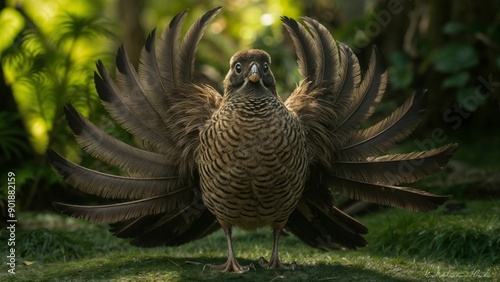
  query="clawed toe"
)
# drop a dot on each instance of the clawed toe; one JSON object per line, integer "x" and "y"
{"x": 230, "y": 266}
{"x": 276, "y": 264}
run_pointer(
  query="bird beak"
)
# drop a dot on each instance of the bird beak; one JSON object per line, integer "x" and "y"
{"x": 254, "y": 74}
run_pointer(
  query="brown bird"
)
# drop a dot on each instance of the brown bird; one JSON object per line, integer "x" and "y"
{"x": 245, "y": 158}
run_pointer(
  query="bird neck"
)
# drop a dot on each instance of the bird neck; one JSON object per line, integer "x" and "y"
{"x": 253, "y": 104}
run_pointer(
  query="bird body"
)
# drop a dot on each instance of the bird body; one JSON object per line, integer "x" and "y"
{"x": 206, "y": 160}
{"x": 252, "y": 157}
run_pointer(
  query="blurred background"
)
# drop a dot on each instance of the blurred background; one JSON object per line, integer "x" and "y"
{"x": 48, "y": 51}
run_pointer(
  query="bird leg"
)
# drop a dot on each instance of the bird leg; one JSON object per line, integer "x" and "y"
{"x": 231, "y": 263}
{"x": 274, "y": 262}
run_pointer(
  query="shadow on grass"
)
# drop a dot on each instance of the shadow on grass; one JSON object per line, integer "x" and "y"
{"x": 175, "y": 269}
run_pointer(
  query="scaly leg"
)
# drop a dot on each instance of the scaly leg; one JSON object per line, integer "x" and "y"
{"x": 275, "y": 261}
{"x": 231, "y": 263}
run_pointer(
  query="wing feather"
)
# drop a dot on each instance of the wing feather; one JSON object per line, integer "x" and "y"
{"x": 400, "y": 197}
{"x": 161, "y": 107}
{"x": 168, "y": 49}
{"x": 101, "y": 145}
{"x": 327, "y": 57}
{"x": 112, "y": 186}
{"x": 185, "y": 59}
{"x": 365, "y": 95}
{"x": 123, "y": 115}
{"x": 384, "y": 135}
{"x": 396, "y": 169}
{"x": 304, "y": 47}
{"x": 121, "y": 211}
{"x": 331, "y": 109}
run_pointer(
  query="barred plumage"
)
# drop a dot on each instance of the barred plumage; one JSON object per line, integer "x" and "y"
{"x": 245, "y": 158}
{"x": 252, "y": 158}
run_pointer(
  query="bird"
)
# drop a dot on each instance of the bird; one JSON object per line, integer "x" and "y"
{"x": 246, "y": 158}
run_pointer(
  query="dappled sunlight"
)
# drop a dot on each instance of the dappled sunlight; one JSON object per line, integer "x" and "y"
{"x": 37, "y": 109}
{"x": 62, "y": 40}
{"x": 52, "y": 61}
{"x": 39, "y": 133}
{"x": 48, "y": 55}
{"x": 12, "y": 23}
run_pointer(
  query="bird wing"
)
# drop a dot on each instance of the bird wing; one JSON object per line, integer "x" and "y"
{"x": 331, "y": 102}
{"x": 159, "y": 104}
{"x": 163, "y": 109}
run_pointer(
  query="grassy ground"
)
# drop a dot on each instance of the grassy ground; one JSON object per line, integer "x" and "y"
{"x": 437, "y": 246}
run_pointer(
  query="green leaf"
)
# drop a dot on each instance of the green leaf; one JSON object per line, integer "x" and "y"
{"x": 454, "y": 57}
{"x": 454, "y": 28}
{"x": 468, "y": 99}
{"x": 400, "y": 78}
{"x": 399, "y": 60}
{"x": 400, "y": 71}
{"x": 12, "y": 137}
{"x": 12, "y": 23}
{"x": 456, "y": 80}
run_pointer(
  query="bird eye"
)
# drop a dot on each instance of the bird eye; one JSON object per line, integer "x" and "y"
{"x": 238, "y": 68}
{"x": 266, "y": 68}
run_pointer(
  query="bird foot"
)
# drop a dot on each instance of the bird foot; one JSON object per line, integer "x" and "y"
{"x": 230, "y": 265}
{"x": 276, "y": 264}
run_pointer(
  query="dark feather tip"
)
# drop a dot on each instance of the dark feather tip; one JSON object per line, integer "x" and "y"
{"x": 58, "y": 163}
{"x": 150, "y": 41}
{"x": 380, "y": 59}
{"x": 122, "y": 60}
{"x": 60, "y": 207}
{"x": 175, "y": 20}
{"x": 74, "y": 119}
{"x": 102, "y": 83}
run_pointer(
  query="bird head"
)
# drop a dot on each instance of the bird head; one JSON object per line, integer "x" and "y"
{"x": 250, "y": 71}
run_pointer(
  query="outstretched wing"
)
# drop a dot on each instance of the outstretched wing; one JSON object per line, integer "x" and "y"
{"x": 163, "y": 109}
{"x": 331, "y": 102}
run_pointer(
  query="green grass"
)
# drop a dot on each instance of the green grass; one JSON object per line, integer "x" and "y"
{"x": 473, "y": 234}
{"x": 403, "y": 246}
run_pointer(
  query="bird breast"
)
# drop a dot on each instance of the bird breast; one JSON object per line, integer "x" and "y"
{"x": 252, "y": 163}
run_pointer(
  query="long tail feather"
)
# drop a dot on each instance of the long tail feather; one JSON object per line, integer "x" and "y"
{"x": 185, "y": 60}
{"x": 167, "y": 51}
{"x": 150, "y": 78}
{"x": 121, "y": 211}
{"x": 304, "y": 48}
{"x": 119, "y": 111}
{"x": 326, "y": 228}
{"x": 112, "y": 186}
{"x": 192, "y": 222}
{"x": 384, "y": 135}
{"x": 132, "y": 94}
{"x": 367, "y": 96}
{"x": 388, "y": 195}
{"x": 397, "y": 168}
{"x": 328, "y": 56}
{"x": 101, "y": 145}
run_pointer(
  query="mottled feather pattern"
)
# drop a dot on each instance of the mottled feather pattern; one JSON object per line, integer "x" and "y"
{"x": 244, "y": 158}
{"x": 253, "y": 151}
